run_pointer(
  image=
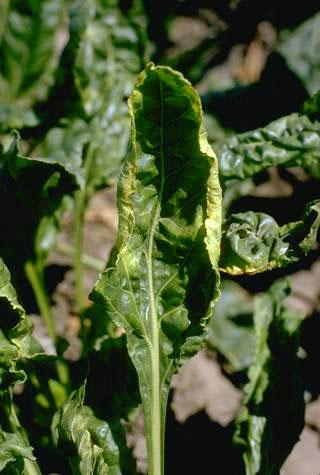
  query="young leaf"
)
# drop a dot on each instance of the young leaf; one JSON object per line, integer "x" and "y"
{"x": 273, "y": 414}
{"x": 162, "y": 278}
{"x": 254, "y": 242}
{"x": 28, "y": 58}
{"x": 291, "y": 141}
{"x": 87, "y": 440}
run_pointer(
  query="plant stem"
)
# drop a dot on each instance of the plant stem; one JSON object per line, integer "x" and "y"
{"x": 37, "y": 283}
{"x": 88, "y": 261}
{"x": 78, "y": 264}
{"x": 80, "y": 206}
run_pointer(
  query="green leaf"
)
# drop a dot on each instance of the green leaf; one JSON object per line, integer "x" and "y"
{"x": 311, "y": 107}
{"x": 300, "y": 48}
{"x": 28, "y": 58}
{"x": 13, "y": 449}
{"x": 253, "y": 242}
{"x": 162, "y": 278}
{"x": 273, "y": 413}
{"x": 31, "y": 192}
{"x": 230, "y": 329}
{"x": 291, "y": 141}
{"x": 16, "y": 341}
{"x": 105, "y": 53}
{"x": 85, "y": 439}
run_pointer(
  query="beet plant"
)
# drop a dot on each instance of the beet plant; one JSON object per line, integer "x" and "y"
{"x": 94, "y": 114}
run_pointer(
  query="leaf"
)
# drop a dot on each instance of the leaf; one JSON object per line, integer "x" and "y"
{"x": 104, "y": 54}
{"x": 28, "y": 58}
{"x": 253, "y": 242}
{"x": 291, "y": 141}
{"x": 16, "y": 341}
{"x": 230, "y": 329}
{"x": 162, "y": 278}
{"x": 273, "y": 413}
{"x": 13, "y": 449}
{"x": 87, "y": 440}
{"x": 300, "y": 48}
{"x": 31, "y": 192}
{"x": 311, "y": 107}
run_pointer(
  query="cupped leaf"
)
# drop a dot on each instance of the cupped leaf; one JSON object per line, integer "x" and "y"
{"x": 28, "y": 58}
{"x": 16, "y": 341}
{"x": 31, "y": 193}
{"x": 13, "y": 451}
{"x": 291, "y": 141}
{"x": 273, "y": 414}
{"x": 300, "y": 48}
{"x": 86, "y": 440}
{"x": 162, "y": 278}
{"x": 254, "y": 242}
{"x": 230, "y": 330}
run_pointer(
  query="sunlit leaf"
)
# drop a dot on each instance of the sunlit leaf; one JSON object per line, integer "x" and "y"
{"x": 291, "y": 141}
{"x": 162, "y": 279}
{"x": 254, "y": 242}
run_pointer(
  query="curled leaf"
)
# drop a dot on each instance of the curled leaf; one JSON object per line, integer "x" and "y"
{"x": 291, "y": 141}
{"x": 162, "y": 279}
{"x": 87, "y": 440}
{"x": 253, "y": 242}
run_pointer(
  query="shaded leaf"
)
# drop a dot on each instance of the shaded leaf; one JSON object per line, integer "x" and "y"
{"x": 85, "y": 439}
{"x": 13, "y": 450}
{"x": 31, "y": 193}
{"x": 230, "y": 330}
{"x": 162, "y": 278}
{"x": 273, "y": 414}
{"x": 311, "y": 107}
{"x": 300, "y": 48}
{"x": 27, "y": 58}
{"x": 253, "y": 242}
{"x": 16, "y": 340}
{"x": 291, "y": 141}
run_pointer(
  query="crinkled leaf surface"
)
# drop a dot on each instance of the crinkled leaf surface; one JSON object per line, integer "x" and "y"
{"x": 162, "y": 278}
{"x": 31, "y": 191}
{"x": 253, "y": 242}
{"x": 291, "y": 141}
{"x": 16, "y": 340}
{"x": 273, "y": 414}
{"x": 27, "y": 57}
{"x": 300, "y": 48}
{"x": 230, "y": 330}
{"x": 85, "y": 439}
{"x": 13, "y": 450}
{"x": 106, "y": 48}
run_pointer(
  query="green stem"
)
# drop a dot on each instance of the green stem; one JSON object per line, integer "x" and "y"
{"x": 87, "y": 261}
{"x": 37, "y": 283}
{"x": 78, "y": 264}
{"x": 80, "y": 207}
